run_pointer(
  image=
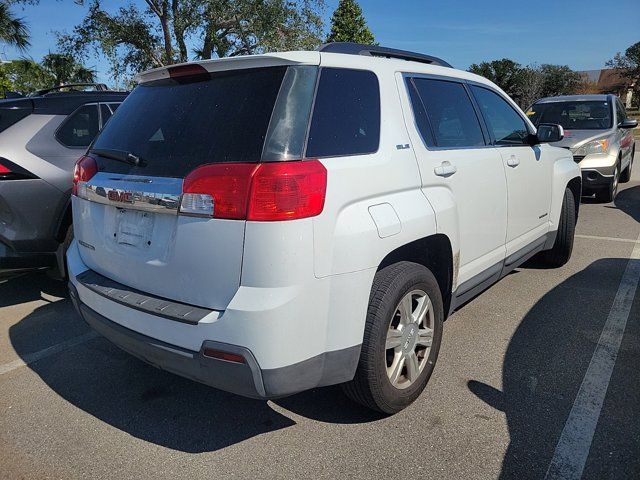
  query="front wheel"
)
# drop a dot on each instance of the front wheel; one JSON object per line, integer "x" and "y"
{"x": 562, "y": 248}
{"x": 402, "y": 338}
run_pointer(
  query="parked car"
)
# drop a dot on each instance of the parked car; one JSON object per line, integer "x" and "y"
{"x": 41, "y": 138}
{"x": 598, "y": 133}
{"x": 268, "y": 224}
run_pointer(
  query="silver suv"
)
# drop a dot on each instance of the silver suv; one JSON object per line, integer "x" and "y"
{"x": 598, "y": 133}
{"x": 41, "y": 137}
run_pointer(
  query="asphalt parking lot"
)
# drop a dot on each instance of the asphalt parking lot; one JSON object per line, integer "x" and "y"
{"x": 515, "y": 389}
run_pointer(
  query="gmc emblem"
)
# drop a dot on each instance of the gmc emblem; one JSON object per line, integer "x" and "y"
{"x": 123, "y": 197}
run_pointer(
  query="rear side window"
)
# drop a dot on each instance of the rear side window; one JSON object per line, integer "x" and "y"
{"x": 444, "y": 114}
{"x": 80, "y": 128}
{"x": 178, "y": 125}
{"x": 11, "y": 116}
{"x": 507, "y": 127}
{"x": 346, "y": 114}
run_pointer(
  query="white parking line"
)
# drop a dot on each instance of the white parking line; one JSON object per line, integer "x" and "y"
{"x": 573, "y": 447}
{"x": 52, "y": 350}
{"x": 612, "y": 239}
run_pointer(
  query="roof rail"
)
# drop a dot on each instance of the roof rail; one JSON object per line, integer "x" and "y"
{"x": 375, "y": 51}
{"x": 99, "y": 87}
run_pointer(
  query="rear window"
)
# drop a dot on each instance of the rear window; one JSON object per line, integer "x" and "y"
{"x": 175, "y": 126}
{"x": 346, "y": 114}
{"x": 576, "y": 115}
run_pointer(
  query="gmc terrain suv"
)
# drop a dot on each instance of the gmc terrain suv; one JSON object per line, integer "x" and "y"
{"x": 273, "y": 223}
{"x": 41, "y": 138}
{"x": 598, "y": 133}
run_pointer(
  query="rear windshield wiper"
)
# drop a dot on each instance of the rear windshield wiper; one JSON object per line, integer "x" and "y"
{"x": 120, "y": 156}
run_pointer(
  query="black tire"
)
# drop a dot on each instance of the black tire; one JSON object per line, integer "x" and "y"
{"x": 371, "y": 385}
{"x": 560, "y": 253}
{"x": 609, "y": 194}
{"x": 626, "y": 175}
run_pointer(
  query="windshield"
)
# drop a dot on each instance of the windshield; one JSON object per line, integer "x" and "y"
{"x": 177, "y": 125}
{"x": 577, "y": 115}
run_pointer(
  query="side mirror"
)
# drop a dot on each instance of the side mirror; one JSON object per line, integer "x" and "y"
{"x": 628, "y": 123}
{"x": 550, "y": 133}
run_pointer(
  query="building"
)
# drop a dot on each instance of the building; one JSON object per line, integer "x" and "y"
{"x": 610, "y": 80}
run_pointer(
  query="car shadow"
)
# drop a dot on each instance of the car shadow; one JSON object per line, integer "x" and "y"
{"x": 628, "y": 201}
{"x": 147, "y": 403}
{"x": 545, "y": 363}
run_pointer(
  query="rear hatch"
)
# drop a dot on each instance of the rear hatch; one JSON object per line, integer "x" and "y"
{"x": 128, "y": 217}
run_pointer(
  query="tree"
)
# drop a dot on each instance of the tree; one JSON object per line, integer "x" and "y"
{"x": 530, "y": 86}
{"x": 559, "y": 80}
{"x": 27, "y": 75}
{"x": 348, "y": 24}
{"x": 505, "y": 73}
{"x": 629, "y": 62}
{"x": 135, "y": 39}
{"x": 13, "y": 30}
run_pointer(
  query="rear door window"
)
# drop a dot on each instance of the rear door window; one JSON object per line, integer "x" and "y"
{"x": 444, "y": 114}
{"x": 175, "y": 126}
{"x": 105, "y": 114}
{"x": 80, "y": 128}
{"x": 346, "y": 114}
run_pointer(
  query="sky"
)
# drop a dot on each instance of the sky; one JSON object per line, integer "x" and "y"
{"x": 583, "y": 34}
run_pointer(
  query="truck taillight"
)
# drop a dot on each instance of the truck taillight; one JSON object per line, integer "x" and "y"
{"x": 259, "y": 192}
{"x": 86, "y": 167}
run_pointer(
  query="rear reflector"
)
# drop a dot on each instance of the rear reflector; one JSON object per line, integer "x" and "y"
{"x": 229, "y": 357}
{"x": 86, "y": 167}
{"x": 256, "y": 191}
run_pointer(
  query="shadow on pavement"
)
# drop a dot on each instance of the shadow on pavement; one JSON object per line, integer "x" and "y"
{"x": 628, "y": 201}
{"x": 544, "y": 366}
{"x": 145, "y": 402}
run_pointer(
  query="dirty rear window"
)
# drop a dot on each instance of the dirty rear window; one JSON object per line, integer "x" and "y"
{"x": 175, "y": 126}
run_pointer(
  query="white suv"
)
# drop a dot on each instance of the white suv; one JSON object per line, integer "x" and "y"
{"x": 273, "y": 223}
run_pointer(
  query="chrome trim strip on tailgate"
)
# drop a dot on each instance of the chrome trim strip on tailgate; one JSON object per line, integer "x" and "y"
{"x": 150, "y": 304}
{"x": 134, "y": 192}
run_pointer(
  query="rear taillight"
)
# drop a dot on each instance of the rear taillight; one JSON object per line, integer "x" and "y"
{"x": 259, "y": 192}
{"x": 12, "y": 171}
{"x": 86, "y": 167}
{"x": 4, "y": 170}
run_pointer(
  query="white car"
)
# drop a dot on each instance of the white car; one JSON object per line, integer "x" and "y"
{"x": 273, "y": 223}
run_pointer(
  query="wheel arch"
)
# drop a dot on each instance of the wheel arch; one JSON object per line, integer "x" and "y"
{"x": 435, "y": 253}
{"x": 575, "y": 185}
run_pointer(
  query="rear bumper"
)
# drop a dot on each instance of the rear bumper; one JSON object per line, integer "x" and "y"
{"x": 10, "y": 259}
{"x": 246, "y": 379}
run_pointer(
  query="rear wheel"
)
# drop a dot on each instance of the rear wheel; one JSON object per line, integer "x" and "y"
{"x": 402, "y": 338}
{"x": 562, "y": 248}
{"x": 626, "y": 175}
{"x": 609, "y": 194}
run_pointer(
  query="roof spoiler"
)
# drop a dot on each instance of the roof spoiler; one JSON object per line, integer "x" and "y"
{"x": 350, "y": 48}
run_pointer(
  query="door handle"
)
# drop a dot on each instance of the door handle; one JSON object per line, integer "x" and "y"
{"x": 445, "y": 169}
{"x": 513, "y": 161}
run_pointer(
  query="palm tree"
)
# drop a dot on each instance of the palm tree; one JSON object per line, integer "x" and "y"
{"x": 13, "y": 30}
{"x": 64, "y": 69}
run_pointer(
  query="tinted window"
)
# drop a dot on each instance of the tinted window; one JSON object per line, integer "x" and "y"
{"x": 576, "y": 115}
{"x": 507, "y": 127}
{"x": 621, "y": 112}
{"x": 450, "y": 116}
{"x": 105, "y": 112}
{"x": 175, "y": 126}
{"x": 346, "y": 114}
{"x": 11, "y": 116}
{"x": 80, "y": 128}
